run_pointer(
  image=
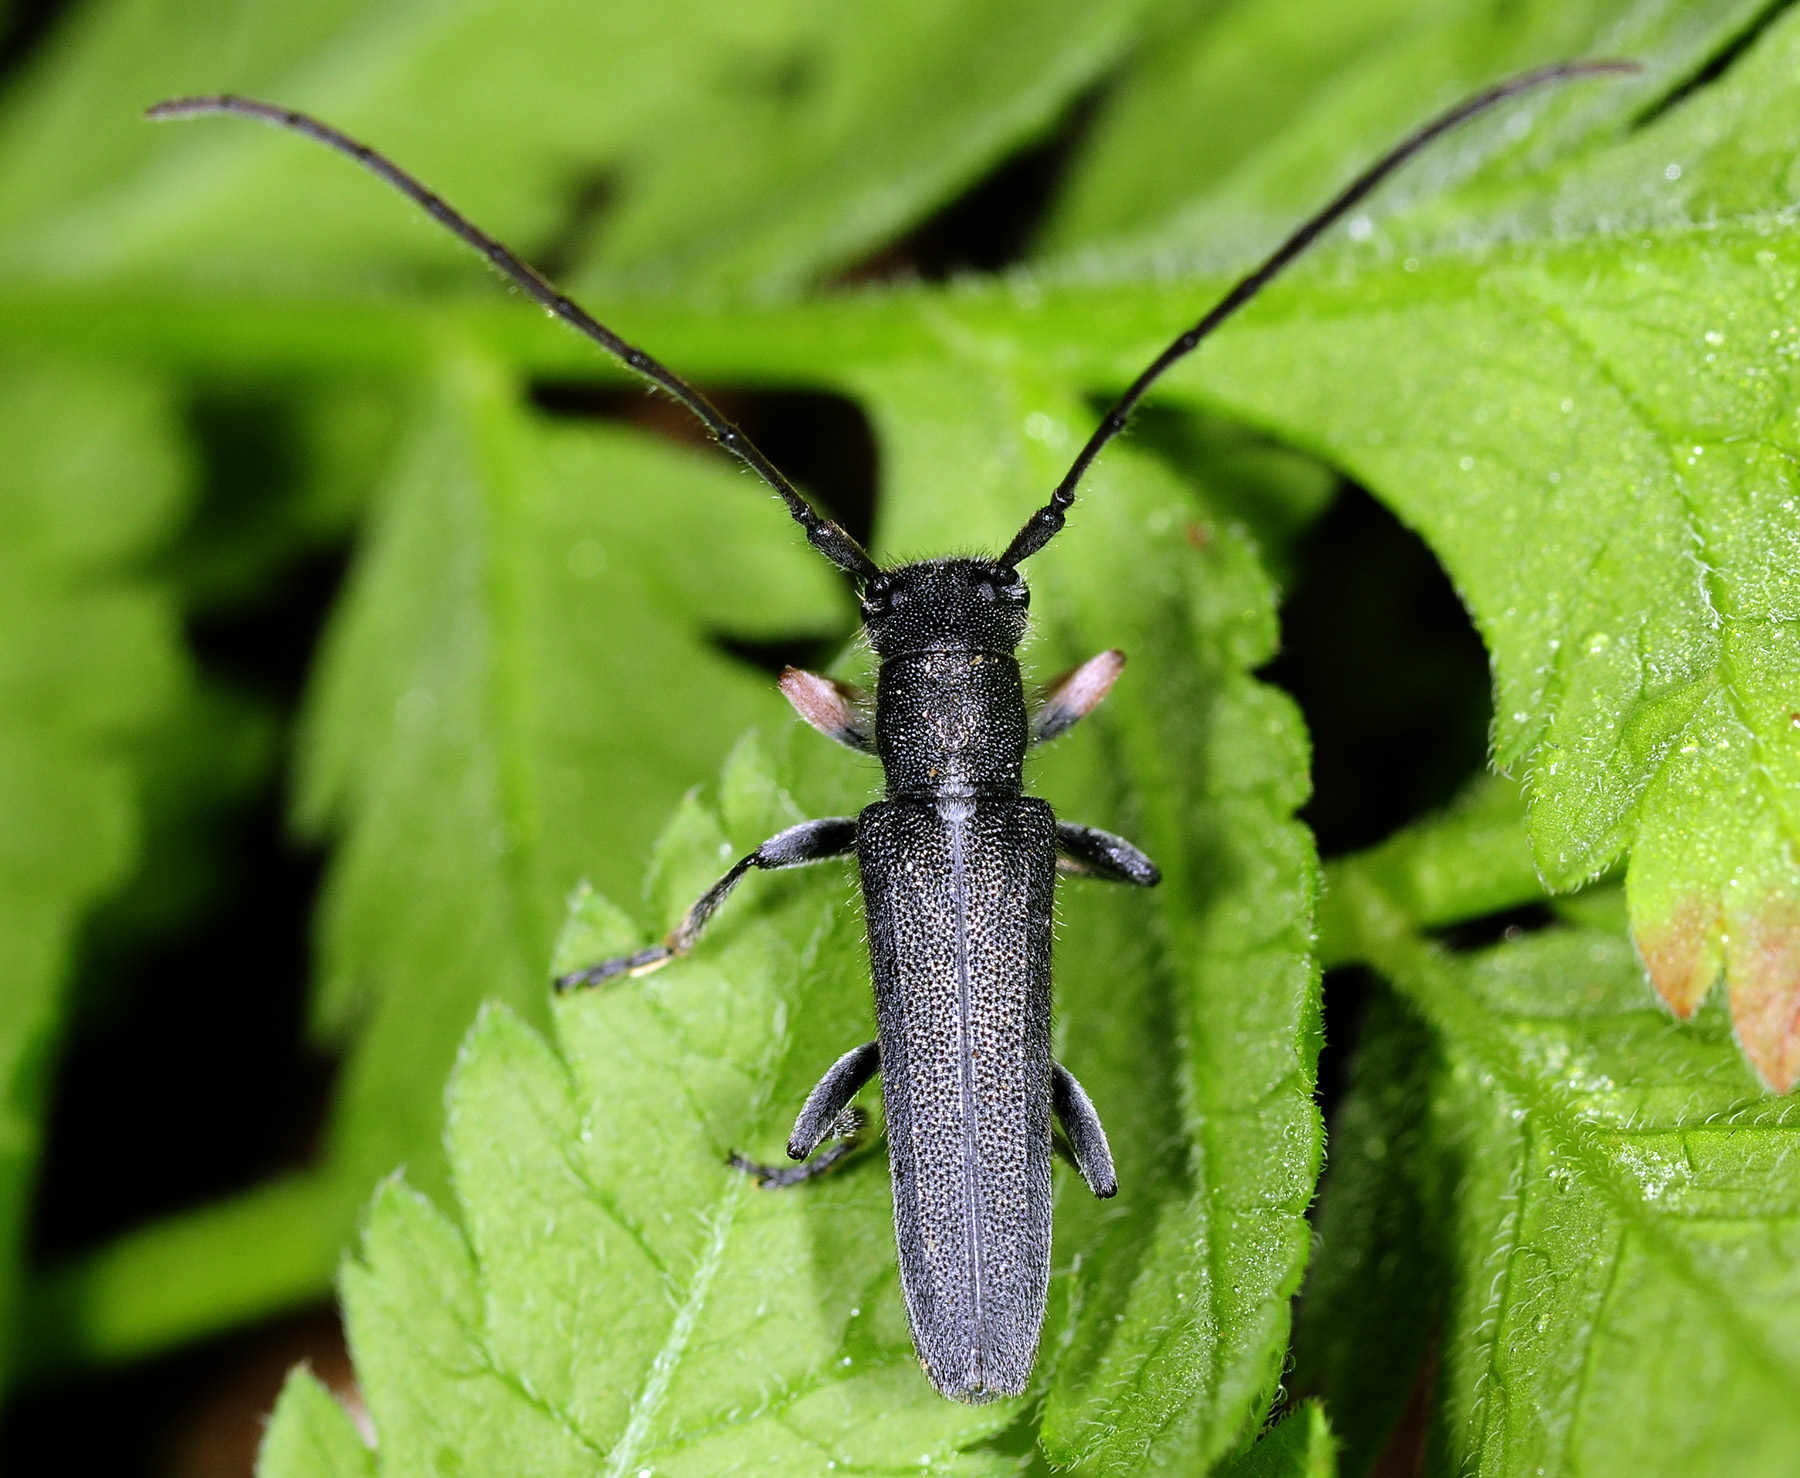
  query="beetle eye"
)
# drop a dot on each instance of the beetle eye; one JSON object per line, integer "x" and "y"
{"x": 875, "y": 597}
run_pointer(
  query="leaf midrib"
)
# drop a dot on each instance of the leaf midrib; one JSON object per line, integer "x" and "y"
{"x": 1419, "y": 969}
{"x": 654, "y": 1389}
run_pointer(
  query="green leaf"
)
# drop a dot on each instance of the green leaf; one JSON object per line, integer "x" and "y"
{"x": 518, "y": 687}
{"x": 713, "y": 144}
{"x": 1195, "y": 1005}
{"x": 877, "y": 114}
{"x": 512, "y": 112}
{"x": 621, "y": 1298}
{"x": 528, "y": 637}
{"x": 1238, "y": 124}
{"x": 405, "y": 956}
{"x": 1595, "y": 445}
{"x": 1211, "y": 96}
{"x": 1299, "y": 1446}
{"x": 1609, "y": 1200}
{"x": 1614, "y": 668}
{"x": 1513, "y": 354}
{"x": 309, "y": 1433}
{"x": 1646, "y": 705}
{"x": 92, "y": 479}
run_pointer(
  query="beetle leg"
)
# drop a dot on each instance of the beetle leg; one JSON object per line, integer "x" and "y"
{"x": 826, "y": 1114}
{"x": 810, "y": 841}
{"x": 1087, "y": 1140}
{"x": 846, "y": 1135}
{"x": 828, "y": 1100}
{"x": 836, "y": 710}
{"x": 1073, "y": 696}
{"x": 1089, "y": 852}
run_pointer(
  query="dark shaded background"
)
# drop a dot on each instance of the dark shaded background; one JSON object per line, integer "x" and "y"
{"x": 178, "y": 1085}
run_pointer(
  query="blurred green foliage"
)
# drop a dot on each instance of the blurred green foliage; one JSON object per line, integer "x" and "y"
{"x": 1558, "y": 347}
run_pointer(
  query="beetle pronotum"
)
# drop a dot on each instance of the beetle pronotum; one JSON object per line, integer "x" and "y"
{"x": 957, "y": 864}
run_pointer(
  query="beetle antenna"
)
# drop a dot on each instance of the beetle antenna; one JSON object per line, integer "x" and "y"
{"x": 1044, "y": 524}
{"x": 824, "y": 535}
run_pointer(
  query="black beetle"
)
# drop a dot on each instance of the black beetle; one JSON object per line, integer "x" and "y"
{"x": 958, "y": 865}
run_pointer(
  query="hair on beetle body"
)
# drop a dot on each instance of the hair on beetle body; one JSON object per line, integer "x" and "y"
{"x": 957, "y": 865}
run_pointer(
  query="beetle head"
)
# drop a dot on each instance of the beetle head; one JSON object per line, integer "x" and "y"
{"x": 974, "y": 605}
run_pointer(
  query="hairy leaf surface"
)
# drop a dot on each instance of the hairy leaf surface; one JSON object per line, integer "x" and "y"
{"x": 1608, "y": 1201}
{"x": 1599, "y": 447}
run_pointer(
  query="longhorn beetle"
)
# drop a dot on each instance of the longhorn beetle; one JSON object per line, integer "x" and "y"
{"x": 958, "y": 865}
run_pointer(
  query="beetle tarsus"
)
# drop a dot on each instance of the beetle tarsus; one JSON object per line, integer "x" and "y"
{"x": 634, "y": 965}
{"x": 846, "y": 1136}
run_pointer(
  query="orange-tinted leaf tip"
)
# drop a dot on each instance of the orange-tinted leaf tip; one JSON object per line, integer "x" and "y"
{"x": 1682, "y": 952}
{"x": 1764, "y": 971}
